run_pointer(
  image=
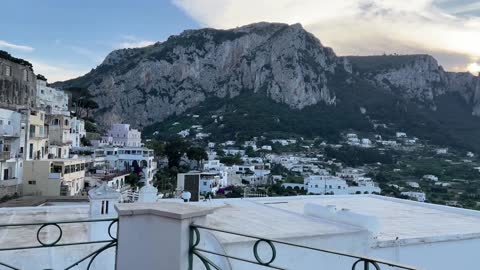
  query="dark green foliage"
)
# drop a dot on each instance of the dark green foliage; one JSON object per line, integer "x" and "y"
{"x": 90, "y": 127}
{"x": 85, "y": 142}
{"x": 250, "y": 152}
{"x": 375, "y": 63}
{"x": 174, "y": 150}
{"x": 133, "y": 180}
{"x": 157, "y": 146}
{"x": 355, "y": 156}
{"x": 198, "y": 154}
{"x": 7, "y": 56}
{"x": 41, "y": 77}
{"x": 231, "y": 160}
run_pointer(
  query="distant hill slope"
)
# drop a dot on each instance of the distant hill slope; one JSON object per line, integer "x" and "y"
{"x": 270, "y": 77}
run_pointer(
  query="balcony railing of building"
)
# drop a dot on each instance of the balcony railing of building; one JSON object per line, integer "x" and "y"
{"x": 58, "y": 242}
{"x": 205, "y": 255}
{"x": 36, "y": 135}
{"x": 8, "y": 131}
{"x": 5, "y": 155}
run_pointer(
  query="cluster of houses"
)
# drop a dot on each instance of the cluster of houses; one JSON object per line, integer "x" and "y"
{"x": 39, "y": 133}
{"x": 401, "y": 139}
{"x": 217, "y": 177}
{"x": 346, "y": 181}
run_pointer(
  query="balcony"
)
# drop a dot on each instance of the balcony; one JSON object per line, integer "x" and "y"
{"x": 5, "y": 155}
{"x": 38, "y": 136}
{"x": 9, "y": 132}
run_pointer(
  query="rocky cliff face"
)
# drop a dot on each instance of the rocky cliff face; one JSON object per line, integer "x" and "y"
{"x": 284, "y": 62}
{"x": 418, "y": 78}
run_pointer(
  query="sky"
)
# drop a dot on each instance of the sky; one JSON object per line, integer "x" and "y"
{"x": 66, "y": 39}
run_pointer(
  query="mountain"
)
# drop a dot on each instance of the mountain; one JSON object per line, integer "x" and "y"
{"x": 270, "y": 77}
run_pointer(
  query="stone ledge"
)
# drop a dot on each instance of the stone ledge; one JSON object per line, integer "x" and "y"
{"x": 163, "y": 209}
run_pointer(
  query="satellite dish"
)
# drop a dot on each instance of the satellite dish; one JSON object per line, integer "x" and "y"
{"x": 186, "y": 196}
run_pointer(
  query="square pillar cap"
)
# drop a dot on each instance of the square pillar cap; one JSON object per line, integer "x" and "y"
{"x": 171, "y": 210}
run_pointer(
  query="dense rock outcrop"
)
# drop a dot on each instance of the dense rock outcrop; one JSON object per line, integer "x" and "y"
{"x": 285, "y": 62}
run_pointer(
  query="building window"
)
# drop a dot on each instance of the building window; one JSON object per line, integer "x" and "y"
{"x": 33, "y": 182}
{"x": 30, "y": 153}
{"x": 103, "y": 207}
{"x": 106, "y": 208}
{"x": 25, "y": 75}
{"x": 8, "y": 71}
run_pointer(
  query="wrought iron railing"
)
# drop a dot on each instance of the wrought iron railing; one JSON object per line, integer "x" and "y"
{"x": 358, "y": 262}
{"x": 108, "y": 243}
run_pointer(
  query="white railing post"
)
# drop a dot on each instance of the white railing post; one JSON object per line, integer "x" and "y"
{"x": 155, "y": 235}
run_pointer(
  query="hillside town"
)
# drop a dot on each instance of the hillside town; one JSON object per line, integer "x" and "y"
{"x": 48, "y": 151}
{"x": 239, "y": 135}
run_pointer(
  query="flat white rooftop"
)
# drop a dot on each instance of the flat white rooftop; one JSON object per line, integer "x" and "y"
{"x": 402, "y": 222}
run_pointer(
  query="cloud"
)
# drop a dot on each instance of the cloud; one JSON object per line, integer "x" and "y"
{"x": 130, "y": 41}
{"x": 12, "y": 46}
{"x": 57, "y": 72}
{"x": 359, "y": 27}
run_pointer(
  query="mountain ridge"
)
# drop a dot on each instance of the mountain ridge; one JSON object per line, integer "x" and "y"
{"x": 284, "y": 63}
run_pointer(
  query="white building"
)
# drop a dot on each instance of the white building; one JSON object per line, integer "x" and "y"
{"x": 234, "y": 152}
{"x": 200, "y": 183}
{"x": 366, "y": 143}
{"x": 77, "y": 131}
{"x": 430, "y": 177}
{"x": 122, "y": 159}
{"x": 59, "y": 135}
{"x": 11, "y": 148}
{"x": 413, "y": 184}
{"x": 122, "y": 135}
{"x": 252, "y": 144}
{"x": 441, "y": 151}
{"x": 326, "y": 184}
{"x": 267, "y": 147}
{"x": 184, "y": 133}
{"x": 401, "y": 135}
{"x": 51, "y": 100}
{"x": 213, "y": 165}
{"x": 419, "y": 196}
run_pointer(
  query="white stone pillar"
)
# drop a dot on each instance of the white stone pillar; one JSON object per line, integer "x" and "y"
{"x": 156, "y": 235}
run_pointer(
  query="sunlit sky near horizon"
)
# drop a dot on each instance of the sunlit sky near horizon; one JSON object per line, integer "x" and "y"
{"x": 66, "y": 39}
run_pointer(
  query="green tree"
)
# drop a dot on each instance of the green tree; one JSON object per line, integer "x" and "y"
{"x": 174, "y": 150}
{"x": 133, "y": 180}
{"x": 250, "y": 152}
{"x": 198, "y": 154}
{"x": 85, "y": 142}
{"x": 231, "y": 160}
{"x": 157, "y": 147}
